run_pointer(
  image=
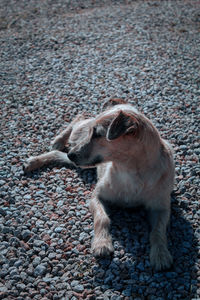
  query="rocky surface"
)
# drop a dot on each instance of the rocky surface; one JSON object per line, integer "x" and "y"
{"x": 59, "y": 58}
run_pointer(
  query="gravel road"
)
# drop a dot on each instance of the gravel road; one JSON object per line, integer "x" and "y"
{"x": 62, "y": 57}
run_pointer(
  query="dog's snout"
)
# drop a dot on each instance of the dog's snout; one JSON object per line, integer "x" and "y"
{"x": 72, "y": 156}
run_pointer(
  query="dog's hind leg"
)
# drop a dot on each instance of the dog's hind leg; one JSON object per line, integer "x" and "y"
{"x": 54, "y": 156}
{"x": 39, "y": 161}
{"x": 160, "y": 258}
{"x": 61, "y": 140}
{"x": 102, "y": 241}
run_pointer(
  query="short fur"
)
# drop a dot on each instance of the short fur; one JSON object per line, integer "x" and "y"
{"x": 135, "y": 167}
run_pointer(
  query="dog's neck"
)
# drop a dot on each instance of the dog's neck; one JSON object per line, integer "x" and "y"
{"x": 141, "y": 158}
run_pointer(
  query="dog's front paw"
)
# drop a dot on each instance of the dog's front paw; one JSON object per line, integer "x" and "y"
{"x": 31, "y": 164}
{"x": 160, "y": 258}
{"x": 58, "y": 143}
{"x": 102, "y": 247}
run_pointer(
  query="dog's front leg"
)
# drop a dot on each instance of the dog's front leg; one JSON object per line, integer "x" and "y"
{"x": 45, "y": 159}
{"x": 102, "y": 241}
{"x": 160, "y": 258}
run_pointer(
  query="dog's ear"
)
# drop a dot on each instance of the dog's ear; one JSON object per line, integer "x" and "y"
{"x": 121, "y": 124}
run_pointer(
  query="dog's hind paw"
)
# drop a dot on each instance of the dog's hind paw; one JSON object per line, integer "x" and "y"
{"x": 58, "y": 144}
{"x": 30, "y": 165}
{"x": 160, "y": 258}
{"x": 102, "y": 247}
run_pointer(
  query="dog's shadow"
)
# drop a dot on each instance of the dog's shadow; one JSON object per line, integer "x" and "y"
{"x": 129, "y": 270}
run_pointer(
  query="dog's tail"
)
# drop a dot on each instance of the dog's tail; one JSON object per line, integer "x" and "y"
{"x": 55, "y": 157}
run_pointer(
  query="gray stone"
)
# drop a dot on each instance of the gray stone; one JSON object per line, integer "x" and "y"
{"x": 76, "y": 286}
{"x": 38, "y": 243}
{"x": 21, "y": 286}
{"x": 40, "y": 270}
{"x": 26, "y": 235}
{"x": 36, "y": 261}
{"x": 58, "y": 229}
{"x": 3, "y": 212}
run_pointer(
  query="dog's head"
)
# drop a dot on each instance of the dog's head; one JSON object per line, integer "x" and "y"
{"x": 108, "y": 137}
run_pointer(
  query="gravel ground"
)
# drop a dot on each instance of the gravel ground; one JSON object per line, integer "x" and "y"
{"x": 59, "y": 58}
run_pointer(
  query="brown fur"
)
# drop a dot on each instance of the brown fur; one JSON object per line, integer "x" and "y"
{"x": 134, "y": 165}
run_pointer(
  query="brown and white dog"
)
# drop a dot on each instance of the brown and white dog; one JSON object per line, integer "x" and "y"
{"x": 134, "y": 165}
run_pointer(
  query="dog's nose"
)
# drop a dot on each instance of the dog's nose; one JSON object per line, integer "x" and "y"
{"x": 72, "y": 156}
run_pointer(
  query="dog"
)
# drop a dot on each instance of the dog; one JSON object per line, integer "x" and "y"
{"x": 135, "y": 167}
